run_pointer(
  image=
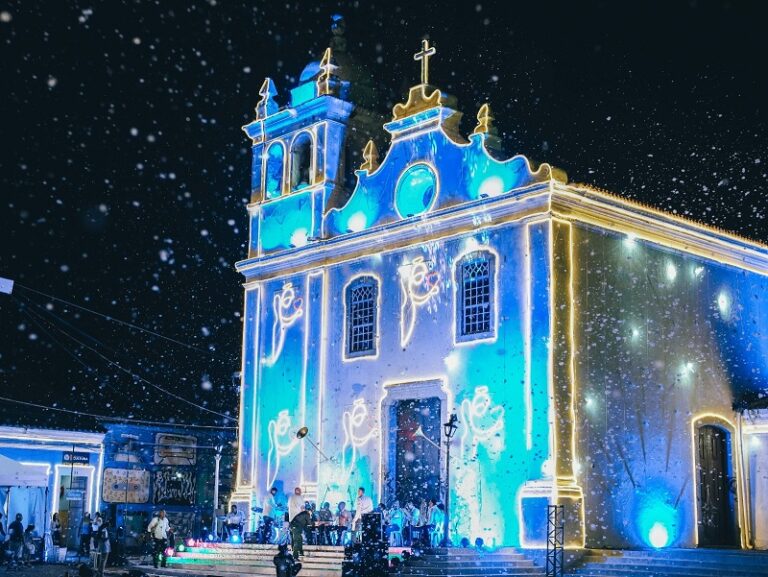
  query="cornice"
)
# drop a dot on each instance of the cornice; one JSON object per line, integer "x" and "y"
{"x": 459, "y": 219}
{"x": 614, "y": 213}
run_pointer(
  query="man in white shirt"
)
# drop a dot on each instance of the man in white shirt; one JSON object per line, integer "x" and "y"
{"x": 295, "y": 504}
{"x": 158, "y": 528}
{"x": 235, "y": 520}
{"x": 268, "y": 512}
{"x": 363, "y": 505}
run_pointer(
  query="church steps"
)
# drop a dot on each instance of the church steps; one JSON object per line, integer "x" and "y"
{"x": 470, "y": 563}
{"x": 709, "y": 564}
{"x": 315, "y": 555}
{"x": 673, "y": 563}
{"x": 246, "y": 560}
{"x": 217, "y": 571}
{"x": 456, "y": 572}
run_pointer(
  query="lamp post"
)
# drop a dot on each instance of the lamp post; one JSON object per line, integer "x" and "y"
{"x": 449, "y": 430}
{"x": 217, "y": 456}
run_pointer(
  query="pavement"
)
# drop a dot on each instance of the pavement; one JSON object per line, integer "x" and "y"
{"x": 56, "y": 570}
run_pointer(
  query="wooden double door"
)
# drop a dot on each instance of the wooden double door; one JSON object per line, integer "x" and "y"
{"x": 716, "y": 489}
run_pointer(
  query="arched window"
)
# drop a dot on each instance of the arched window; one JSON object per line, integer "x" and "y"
{"x": 361, "y": 298}
{"x": 475, "y": 300}
{"x": 301, "y": 161}
{"x": 273, "y": 178}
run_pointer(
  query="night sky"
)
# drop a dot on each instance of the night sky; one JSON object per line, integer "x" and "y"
{"x": 124, "y": 172}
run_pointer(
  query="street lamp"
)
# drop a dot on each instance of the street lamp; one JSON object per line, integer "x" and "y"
{"x": 217, "y": 457}
{"x": 449, "y": 430}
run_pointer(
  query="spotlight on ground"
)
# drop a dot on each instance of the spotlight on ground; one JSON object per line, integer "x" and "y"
{"x": 658, "y": 536}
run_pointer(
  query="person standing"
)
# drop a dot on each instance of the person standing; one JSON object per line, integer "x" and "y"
{"x": 363, "y": 506}
{"x": 56, "y": 530}
{"x": 2, "y": 538}
{"x": 394, "y": 520}
{"x": 298, "y": 524}
{"x": 324, "y": 522}
{"x": 295, "y": 504}
{"x": 159, "y": 527}
{"x": 16, "y": 539}
{"x": 412, "y": 522}
{"x": 85, "y": 534}
{"x": 269, "y": 510}
{"x": 104, "y": 547}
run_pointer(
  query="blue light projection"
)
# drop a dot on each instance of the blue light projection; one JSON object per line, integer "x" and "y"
{"x": 383, "y": 196}
{"x": 273, "y": 180}
{"x": 657, "y": 521}
{"x": 286, "y": 221}
{"x": 416, "y": 190}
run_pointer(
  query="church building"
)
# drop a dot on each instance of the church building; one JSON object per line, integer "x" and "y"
{"x": 598, "y": 353}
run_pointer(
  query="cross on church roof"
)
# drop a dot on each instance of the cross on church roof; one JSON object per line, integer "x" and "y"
{"x": 424, "y": 55}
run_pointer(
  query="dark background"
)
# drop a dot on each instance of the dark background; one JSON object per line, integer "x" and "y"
{"x": 124, "y": 173}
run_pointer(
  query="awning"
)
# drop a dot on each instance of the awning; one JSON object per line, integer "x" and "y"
{"x": 15, "y": 474}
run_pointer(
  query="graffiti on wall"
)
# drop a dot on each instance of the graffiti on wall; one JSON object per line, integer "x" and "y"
{"x": 174, "y": 487}
{"x": 125, "y": 486}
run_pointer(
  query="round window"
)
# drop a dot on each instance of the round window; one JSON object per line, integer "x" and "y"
{"x": 416, "y": 190}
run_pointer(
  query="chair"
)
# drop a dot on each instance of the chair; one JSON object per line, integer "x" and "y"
{"x": 396, "y": 538}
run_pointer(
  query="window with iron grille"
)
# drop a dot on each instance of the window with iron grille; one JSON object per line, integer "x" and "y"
{"x": 361, "y": 300}
{"x": 475, "y": 296}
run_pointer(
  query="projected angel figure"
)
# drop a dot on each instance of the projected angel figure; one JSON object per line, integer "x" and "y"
{"x": 419, "y": 285}
{"x": 282, "y": 440}
{"x": 288, "y": 309}
{"x": 484, "y": 423}
{"x": 352, "y": 422}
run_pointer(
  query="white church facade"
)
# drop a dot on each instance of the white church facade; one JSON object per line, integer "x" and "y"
{"x": 598, "y": 353}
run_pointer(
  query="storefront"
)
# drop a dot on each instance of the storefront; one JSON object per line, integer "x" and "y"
{"x": 50, "y": 471}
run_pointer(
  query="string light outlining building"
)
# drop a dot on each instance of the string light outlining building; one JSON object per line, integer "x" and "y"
{"x": 384, "y": 292}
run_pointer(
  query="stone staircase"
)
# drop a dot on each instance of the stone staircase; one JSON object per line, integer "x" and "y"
{"x": 673, "y": 563}
{"x": 457, "y": 562}
{"x": 245, "y": 560}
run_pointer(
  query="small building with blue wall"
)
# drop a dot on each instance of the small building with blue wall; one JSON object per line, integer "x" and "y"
{"x": 55, "y": 472}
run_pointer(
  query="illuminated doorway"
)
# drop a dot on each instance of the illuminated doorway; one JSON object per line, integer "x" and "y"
{"x": 716, "y": 489}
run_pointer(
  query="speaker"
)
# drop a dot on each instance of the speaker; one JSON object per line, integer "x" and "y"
{"x": 371, "y": 527}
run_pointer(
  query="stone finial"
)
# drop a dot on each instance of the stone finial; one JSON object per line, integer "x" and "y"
{"x": 326, "y": 72}
{"x": 370, "y": 157}
{"x": 484, "y": 120}
{"x": 267, "y": 104}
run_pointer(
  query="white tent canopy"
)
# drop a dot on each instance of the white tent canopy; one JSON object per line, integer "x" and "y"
{"x": 15, "y": 474}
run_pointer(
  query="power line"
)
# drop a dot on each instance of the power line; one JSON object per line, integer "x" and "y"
{"x": 125, "y": 323}
{"x": 111, "y": 418}
{"x": 130, "y": 372}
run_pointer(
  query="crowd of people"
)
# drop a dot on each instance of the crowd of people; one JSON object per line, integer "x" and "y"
{"x": 301, "y": 521}
{"x": 18, "y": 545}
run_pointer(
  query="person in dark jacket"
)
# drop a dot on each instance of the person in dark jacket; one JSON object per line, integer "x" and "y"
{"x": 300, "y": 522}
{"x": 285, "y": 564}
{"x": 16, "y": 539}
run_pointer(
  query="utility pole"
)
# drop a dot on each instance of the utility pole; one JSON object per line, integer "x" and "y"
{"x": 214, "y": 523}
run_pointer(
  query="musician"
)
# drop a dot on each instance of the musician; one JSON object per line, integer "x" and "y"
{"x": 295, "y": 504}
{"x": 324, "y": 522}
{"x": 343, "y": 520}
{"x": 363, "y": 506}
{"x": 394, "y": 520}
{"x": 412, "y": 521}
{"x": 270, "y": 510}
{"x": 234, "y": 521}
